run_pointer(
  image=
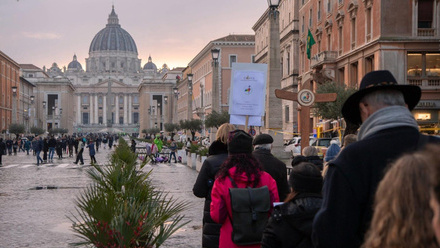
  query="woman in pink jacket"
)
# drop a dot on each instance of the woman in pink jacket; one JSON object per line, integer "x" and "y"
{"x": 246, "y": 171}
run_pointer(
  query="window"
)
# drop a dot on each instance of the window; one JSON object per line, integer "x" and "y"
{"x": 121, "y": 100}
{"x": 302, "y": 24}
{"x": 85, "y": 99}
{"x": 329, "y": 6}
{"x": 135, "y": 118}
{"x": 423, "y": 65}
{"x": 253, "y": 58}
{"x": 121, "y": 120}
{"x": 368, "y": 24}
{"x": 341, "y": 75}
{"x": 354, "y": 74}
{"x": 369, "y": 64}
{"x": 286, "y": 113}
{"x": 310, "y": 18}
{"x": 340, "y": 41}
{"x": 288, "y": 62}
{"x": 100, "y": 100}
{"x": 85, "y": 119}
{"x": 353, "y": 33}
{"x": 232, "y": 59}
{"x": 135, "y": 99}
{"x": 100, "y": 120}
{"x": 329, "y": 43}
{"x": 319, "y": 10}
{"x": 425, "y": 13}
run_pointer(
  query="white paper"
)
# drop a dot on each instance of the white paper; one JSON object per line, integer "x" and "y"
{"x": 241, "y": 120}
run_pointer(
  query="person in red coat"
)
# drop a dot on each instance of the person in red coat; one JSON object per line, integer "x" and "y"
{"x": 246, "y": 171}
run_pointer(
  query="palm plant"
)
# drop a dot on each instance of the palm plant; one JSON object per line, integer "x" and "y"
{"x": 121, "y": 208}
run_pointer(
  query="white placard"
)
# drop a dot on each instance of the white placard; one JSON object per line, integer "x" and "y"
{"x": 248, "y": 89}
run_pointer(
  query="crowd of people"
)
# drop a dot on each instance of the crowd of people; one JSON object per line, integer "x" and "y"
{"x": 45, "y": 148}
{"x": 381, "y": 188}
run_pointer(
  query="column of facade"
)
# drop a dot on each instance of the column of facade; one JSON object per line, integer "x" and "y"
{"x": 130, "y": 115}
{"x": 96, "y": 110}
{"x": 116, "y": 109}
{"x": 125, "y": 110}
{"x": 91, "y": 115}
{"x": 104, "y": 112}
{"x": 78, "y": 110}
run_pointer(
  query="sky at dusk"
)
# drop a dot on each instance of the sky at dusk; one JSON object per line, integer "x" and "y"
{"x": 41, "y": 32}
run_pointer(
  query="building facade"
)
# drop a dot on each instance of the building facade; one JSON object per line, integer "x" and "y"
{"x": 356, "y": 37}
{"x": 26, "y": 110}
{"x": 9, "y": 102}
{"x": 233, "y": 49}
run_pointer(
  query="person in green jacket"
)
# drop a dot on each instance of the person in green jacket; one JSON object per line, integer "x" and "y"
{"x": 159, "y": 145}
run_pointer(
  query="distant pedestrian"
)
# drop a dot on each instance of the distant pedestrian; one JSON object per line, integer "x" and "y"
{"x": 133, "y": 146}
{"x": 27, "y": 146}
{"x": 2, "y": 150}
{"x": 15, "y": 146}
{"x": 173, "y": 149}
{"x": 52, "y": 146}
{"x": 38, "y": 148}
{"x": 9, "y": 143}
{"x": 92, "y": 152}
{"x": 79, "y": 156}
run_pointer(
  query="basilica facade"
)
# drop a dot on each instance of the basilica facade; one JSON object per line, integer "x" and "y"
{"x": 108, "y": 92}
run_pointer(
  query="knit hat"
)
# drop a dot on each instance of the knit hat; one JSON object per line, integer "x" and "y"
{"x": 239, "y": 142}
{"x": 332, "y": 151}
{"x": 303, "y": 183}
{"x": 262, "y": 139}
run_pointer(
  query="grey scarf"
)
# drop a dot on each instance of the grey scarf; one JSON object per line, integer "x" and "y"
{"x": 389, "y": 117}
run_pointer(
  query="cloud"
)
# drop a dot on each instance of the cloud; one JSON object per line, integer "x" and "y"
{"x": 41, "y": 36}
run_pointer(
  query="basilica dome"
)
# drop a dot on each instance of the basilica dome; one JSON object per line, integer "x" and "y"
{"x": 150, "y": 65}
{"x": 113, "y": 37}
{"x": 74, "y": 65}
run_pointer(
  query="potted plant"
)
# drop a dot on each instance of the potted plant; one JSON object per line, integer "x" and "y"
{"x": 202, "y": 154}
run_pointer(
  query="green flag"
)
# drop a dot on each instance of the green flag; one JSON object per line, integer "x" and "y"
{"x": 310, "y": 43}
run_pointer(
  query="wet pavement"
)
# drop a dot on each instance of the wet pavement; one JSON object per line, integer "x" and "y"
{"x": 35, "y": 202}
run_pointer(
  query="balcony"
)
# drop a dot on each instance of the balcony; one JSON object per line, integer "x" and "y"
{"x": 425, "y": 83}
{"x": 325, "y": 57}
{"x": 425, "y": 32}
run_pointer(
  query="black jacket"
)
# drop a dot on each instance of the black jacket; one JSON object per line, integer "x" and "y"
{"x": 290, "y": 225}
{"x": 276, "y": 168}
{"x": 351, "y": 182}
{"x": 202, "y": 188}
{"x": 2, "y": 147}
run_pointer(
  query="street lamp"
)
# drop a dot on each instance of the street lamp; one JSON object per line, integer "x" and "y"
{"x": 165, "y": 99}
{"x": 190, "y": 78}
{"x": 215, "y": 53}
{"x": 160, "y": 117}
{"x": 14, "y": 103}
{"x": 273, "y": 4}
{"x": 61, "y": 112}
{"x": 32, "y": 99}
{"x": 53, "y": 117}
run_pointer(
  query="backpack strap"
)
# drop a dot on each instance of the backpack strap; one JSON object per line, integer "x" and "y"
{"x": 233, "y": 182}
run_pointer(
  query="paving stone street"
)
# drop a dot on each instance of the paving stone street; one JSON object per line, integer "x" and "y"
{"x": 35, "y": 202}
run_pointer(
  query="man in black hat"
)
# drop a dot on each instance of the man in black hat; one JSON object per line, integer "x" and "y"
{"x": 276, "y": 168}
{"x": 388, "y": 129}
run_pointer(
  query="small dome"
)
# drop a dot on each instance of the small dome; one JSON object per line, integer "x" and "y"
{"x": 150, "y": 65}
{"x": 74, "y": 65}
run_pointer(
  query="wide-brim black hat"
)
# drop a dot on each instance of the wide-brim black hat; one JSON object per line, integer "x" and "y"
{"x": 378, "y": 80}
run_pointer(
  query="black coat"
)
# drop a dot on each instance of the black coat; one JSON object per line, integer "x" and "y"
{"x": 202, "y": 188}
{"x": 351, "y": 182}
{"x": 316, "y": 160}
{"x": 276, "y": 168}
{"x": 291, "y": 223}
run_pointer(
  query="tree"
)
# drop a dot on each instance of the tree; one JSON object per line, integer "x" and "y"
{"x": 332, "y": 110}
{"x": 37, "y": 130}
{"x": 215, "y": 119}
{"x": 144, "y": 130}
{"x": 192, "y": 125}
{"x": 171, "y": 128}
{"x": 17, "y": 129}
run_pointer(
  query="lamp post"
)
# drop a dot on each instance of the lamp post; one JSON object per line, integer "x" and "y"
{"x": 273, "y": 119}
{"x": 152, "y": 112}
{"x": 32, "y": 112}
{"x": 176, "y": 97}
{"x": 61, "y": 112}
{"x": 215, "y": 82}
{"x": 190, "y": 78}
{"x": 53, "y": 117}
{"x": 160, "y": 115}
{"x": 14, "y": 103}
{"x": 44, "y": 114}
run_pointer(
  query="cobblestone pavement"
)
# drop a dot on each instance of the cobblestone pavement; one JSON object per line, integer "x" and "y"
{"x": 38, "y": 218}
